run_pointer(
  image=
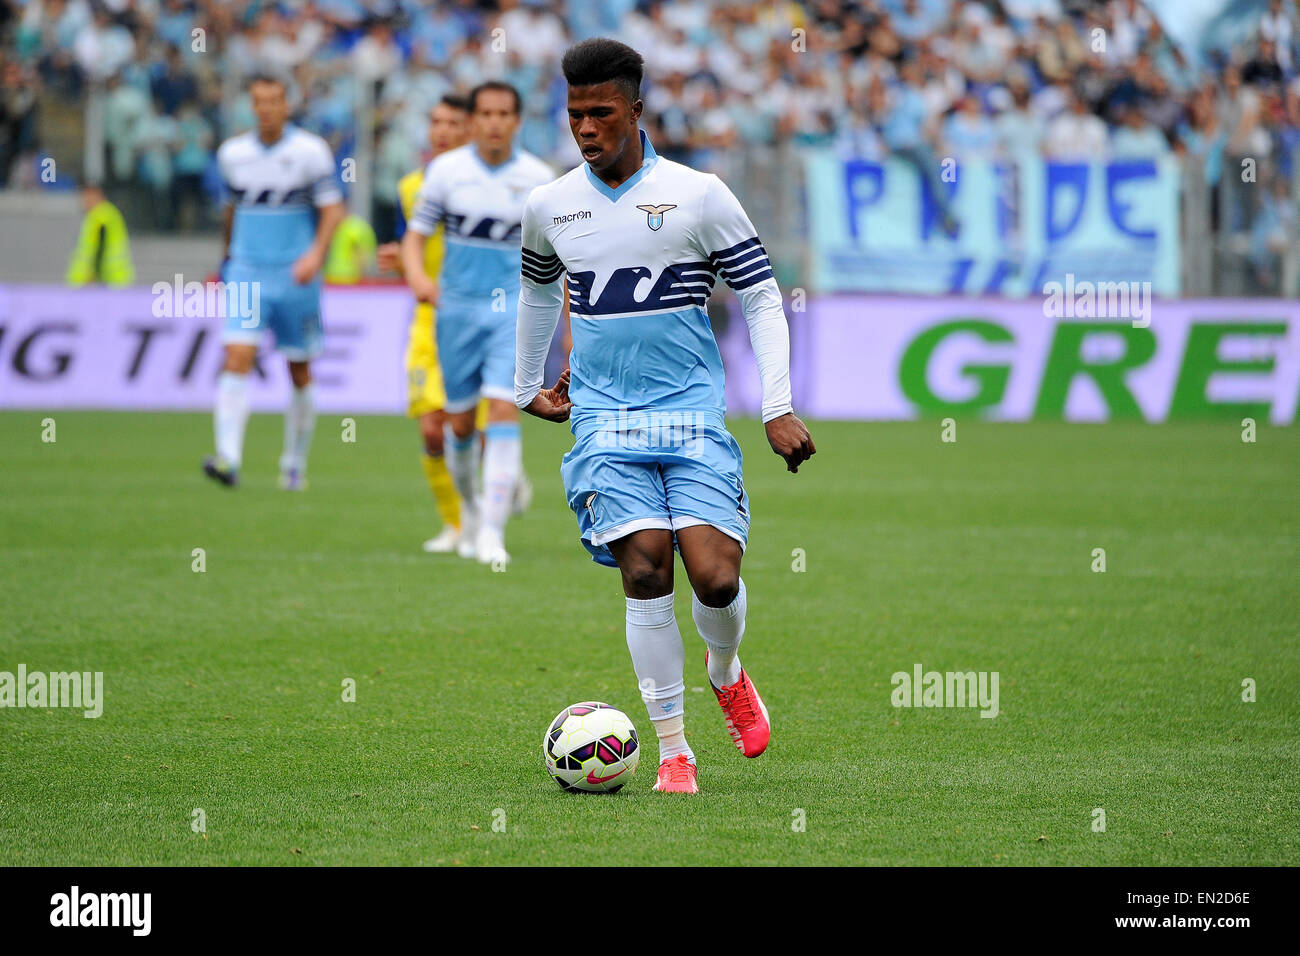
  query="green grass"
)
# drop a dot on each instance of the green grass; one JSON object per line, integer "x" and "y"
{"x": 1119, "y": 690}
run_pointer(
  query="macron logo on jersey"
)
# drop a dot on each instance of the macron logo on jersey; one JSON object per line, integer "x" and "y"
{"x": 571, "y": 217}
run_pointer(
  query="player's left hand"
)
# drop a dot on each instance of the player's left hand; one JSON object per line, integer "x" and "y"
{"x": 789, "y": 438}
{"x": 553, "y": 404}
{"x": 308, "y": 264}
{"x": 388, "y": 257}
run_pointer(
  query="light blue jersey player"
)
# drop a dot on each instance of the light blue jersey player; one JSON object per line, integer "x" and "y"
{"x": 477, "y": 193}
{"x": 283, "y": 202}
{"x": 639, "y": 242}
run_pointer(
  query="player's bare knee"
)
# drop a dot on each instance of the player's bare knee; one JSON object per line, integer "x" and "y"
{"x": 300, "y": 374}
{"x": 434, "y": 445}
{"x": 433, "y": 436}
{"x": 717, "y": 587}
{"x": 645, "y": 578}
{"x": 499, "y": 411}
{"x": 462, "y": 426}
{"x": 239, "y": 359}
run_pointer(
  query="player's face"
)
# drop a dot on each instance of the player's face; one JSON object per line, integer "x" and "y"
{"x": 271, "y": 107}
{"x": 603, "y": 123}
{"x": 448, "y": 128}
{"x": 494, "y": 121}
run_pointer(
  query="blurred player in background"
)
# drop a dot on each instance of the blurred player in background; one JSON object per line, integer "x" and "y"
{"x": 426, "y": 398}
{"x": 284, "y": 202}
{"x": 653, "y": 467}
{"x": 476, "y": 195}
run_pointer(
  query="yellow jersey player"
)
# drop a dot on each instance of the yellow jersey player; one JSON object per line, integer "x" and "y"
{"x": 426, "y": 396}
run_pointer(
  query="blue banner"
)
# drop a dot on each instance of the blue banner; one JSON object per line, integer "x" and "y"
{"x": 876, "y": 228}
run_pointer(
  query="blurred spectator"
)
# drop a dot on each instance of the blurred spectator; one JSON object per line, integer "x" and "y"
{"x": 969, "y": 133}
{"x": 1019, "y": 128}
{"x": 1270, "y": 234}
{"x": 533, "y": 31}
{"x": 193, "y": 154}
{"x": 17, "y": 116}
{"x": 126, "y": 107}
{"x": 909, "y": 132}
{"x": 858, "y": 137}
{"x": 1263, "y": 69}
{"x": 1277, "y": 28}
{"x": 47, "y": 33}
{"x": 102, "y": 47}
{"x": 1203, "y": 137}
{"x": 1059, "y": 50}
{"x": 1076, "y": 135}
{"x": 156, "y": 139}
{"x": 1137, "y": 137}
{"x": 1247, "y": 143}
{"x": 377, "y": 54}
{"x": 171, "y": 84}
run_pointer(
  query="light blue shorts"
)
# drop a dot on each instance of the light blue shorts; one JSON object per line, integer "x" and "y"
{"x": 260, "y": 298}
{"x": 476, "y": 349}
{"x": 635, "y": 470}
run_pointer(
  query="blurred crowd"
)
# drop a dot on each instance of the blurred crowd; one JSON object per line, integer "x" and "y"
{"x": 917, "y": 79}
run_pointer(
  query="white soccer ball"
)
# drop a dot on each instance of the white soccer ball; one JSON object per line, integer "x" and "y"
{"x": 591, "y": 747}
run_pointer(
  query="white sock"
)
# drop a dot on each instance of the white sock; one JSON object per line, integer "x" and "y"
{"x": 659, "y": 661}
{"x": 722, "y": 628}
{"x": 501, "y": 455}
{"x": 299, "y": 423}
{"x": 230, "y": 416}
{"x": 671, "y": 732}
{"x": 462, "y": 456}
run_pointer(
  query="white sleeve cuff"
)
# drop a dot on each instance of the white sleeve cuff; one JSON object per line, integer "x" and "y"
{"x": 770, "y": 337}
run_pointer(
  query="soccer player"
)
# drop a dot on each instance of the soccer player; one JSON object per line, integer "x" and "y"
{"x": 477, "y": 193}
{"x": 284, "y": 202}
{"x": 643, "y": 240}
{"x": 426, "y": 399}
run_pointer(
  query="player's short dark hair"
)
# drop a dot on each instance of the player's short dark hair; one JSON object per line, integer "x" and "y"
{"x": 457, "y": 101}
{"x": 497, "y": 86}
{"x": 602, "y": 60}
{"x": 263, "y": 77}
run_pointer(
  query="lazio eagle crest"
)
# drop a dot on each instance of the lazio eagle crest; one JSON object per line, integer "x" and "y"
{"x": 654, "y": 215}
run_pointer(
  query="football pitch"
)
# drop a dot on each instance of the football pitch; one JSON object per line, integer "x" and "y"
{"x": 225, "y": 737}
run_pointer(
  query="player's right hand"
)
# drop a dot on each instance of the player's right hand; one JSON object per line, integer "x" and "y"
{"x": 553, "y": 404}
{"x": 425, "y": 289}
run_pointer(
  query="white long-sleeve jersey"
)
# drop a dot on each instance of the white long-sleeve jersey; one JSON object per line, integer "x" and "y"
{"x": 641, "y": 261}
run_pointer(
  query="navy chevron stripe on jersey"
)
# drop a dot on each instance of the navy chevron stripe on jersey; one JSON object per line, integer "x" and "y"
{"x": 742, "y": 265}
{"x": 540, "y": 269}
{"x": 538, "y": 260}
{"x": 679, "y": 285}
{"x": 541, "y": 278}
